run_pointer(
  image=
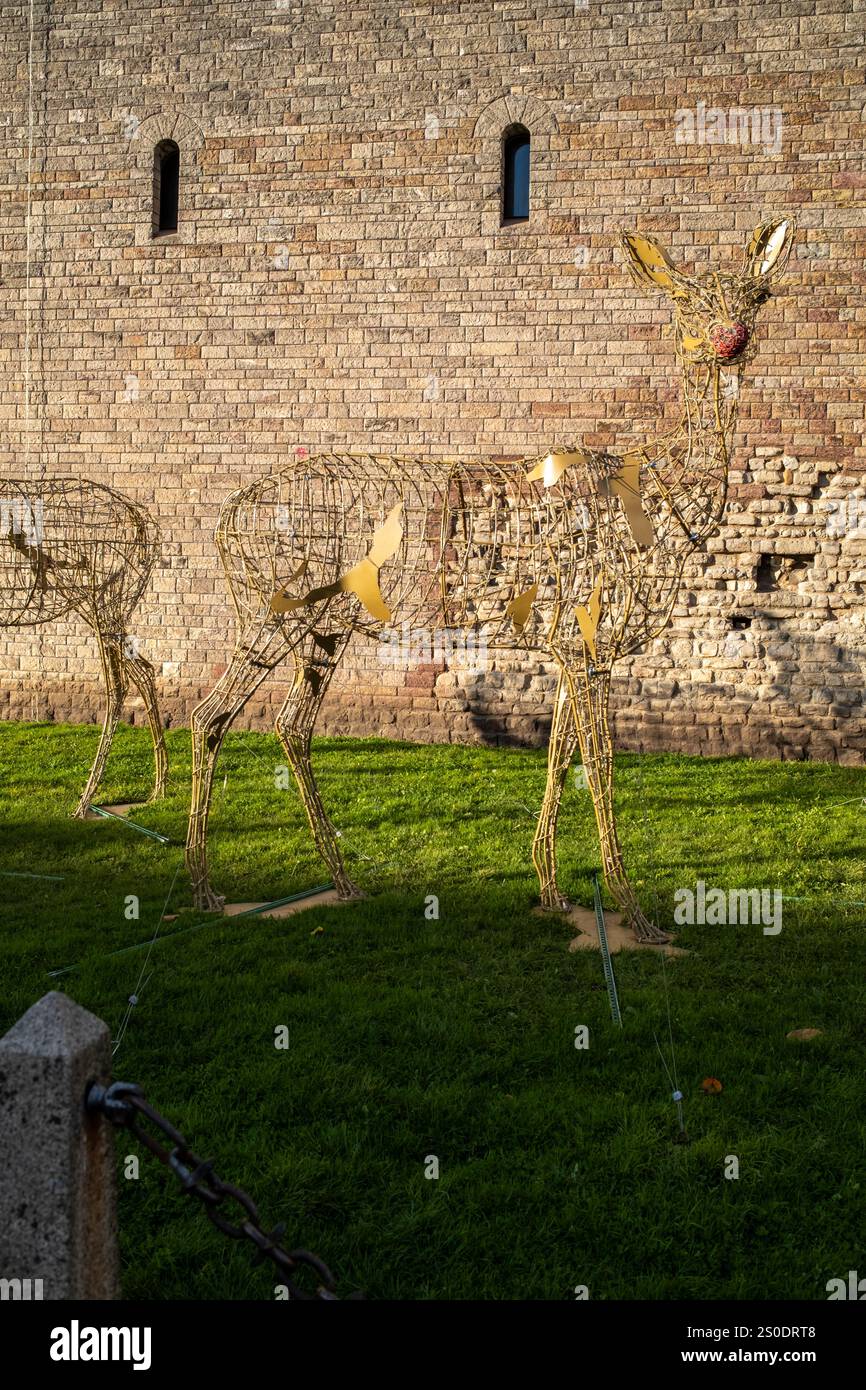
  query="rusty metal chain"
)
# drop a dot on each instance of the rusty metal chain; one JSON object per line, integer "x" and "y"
{"x": 123, "y": 1103}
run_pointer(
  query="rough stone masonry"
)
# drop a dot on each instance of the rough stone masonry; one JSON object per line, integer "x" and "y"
{"x": 341, "y": 277}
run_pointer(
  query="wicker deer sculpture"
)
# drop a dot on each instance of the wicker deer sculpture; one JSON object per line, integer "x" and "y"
{"x": 71, "y": 546}
{"x": 576, "y": 556}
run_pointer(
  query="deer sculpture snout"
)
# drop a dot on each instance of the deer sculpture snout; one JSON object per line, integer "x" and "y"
{"x": 729, "y": 339}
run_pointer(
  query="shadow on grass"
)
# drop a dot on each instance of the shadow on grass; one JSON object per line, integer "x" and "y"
{"x": 454, "y": 1035}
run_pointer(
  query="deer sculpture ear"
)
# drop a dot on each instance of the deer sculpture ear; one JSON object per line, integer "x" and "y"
{"x": 648, "y": 263}
{"x": 769, "y": 247}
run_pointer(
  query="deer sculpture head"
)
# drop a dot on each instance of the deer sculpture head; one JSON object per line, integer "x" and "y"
{"x": 715, "y": 312}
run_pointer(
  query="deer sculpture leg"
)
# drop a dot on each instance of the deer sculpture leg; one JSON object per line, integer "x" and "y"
{"x": 259, "y": 649}
{"x": 294, "y": 725}
{"x": 142, "y": 676}
{"x": 560, "y": 751}
{"x": 116, "y": 679}
{"x": 590, "y": 692}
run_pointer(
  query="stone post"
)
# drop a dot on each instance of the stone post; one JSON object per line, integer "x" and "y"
{"x": 58, "y": 1200}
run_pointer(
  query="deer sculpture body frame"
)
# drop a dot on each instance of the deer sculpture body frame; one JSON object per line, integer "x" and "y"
{"x": 576, "y": 556}
{"x": 71, "y": 546}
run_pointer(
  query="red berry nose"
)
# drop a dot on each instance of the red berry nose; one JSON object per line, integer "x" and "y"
{"x": 729, "y": 339}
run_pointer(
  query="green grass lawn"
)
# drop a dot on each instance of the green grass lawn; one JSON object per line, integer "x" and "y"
{"x": 412, "y": 1037}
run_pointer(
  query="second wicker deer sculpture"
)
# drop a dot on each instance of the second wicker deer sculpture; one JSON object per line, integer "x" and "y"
{"x": 576, "y": 556}
{"x": 72, "y": 546}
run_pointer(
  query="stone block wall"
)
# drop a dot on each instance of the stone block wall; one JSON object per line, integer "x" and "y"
{"x": 341, "y": 278}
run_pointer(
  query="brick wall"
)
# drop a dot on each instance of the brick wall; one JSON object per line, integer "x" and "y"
{"x": 340, "y": 278}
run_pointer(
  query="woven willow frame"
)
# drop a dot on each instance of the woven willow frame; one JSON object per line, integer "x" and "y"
{"x": 71, "y": 546}
{"x": 576, "y": 555}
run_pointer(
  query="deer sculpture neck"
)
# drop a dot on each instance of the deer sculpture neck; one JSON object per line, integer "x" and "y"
{"x": 699, "y": 450}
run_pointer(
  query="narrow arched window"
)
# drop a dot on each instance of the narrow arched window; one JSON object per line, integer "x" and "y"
{"x": 515, "y": 174}
{"x": 166, "y": 187}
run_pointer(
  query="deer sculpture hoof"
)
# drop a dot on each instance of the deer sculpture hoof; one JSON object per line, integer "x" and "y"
{"x": 349, "y": 892}
{"x": 646, "y": 932}
{"x": 206, "y": 900}
{"x": 556, "y": 902}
